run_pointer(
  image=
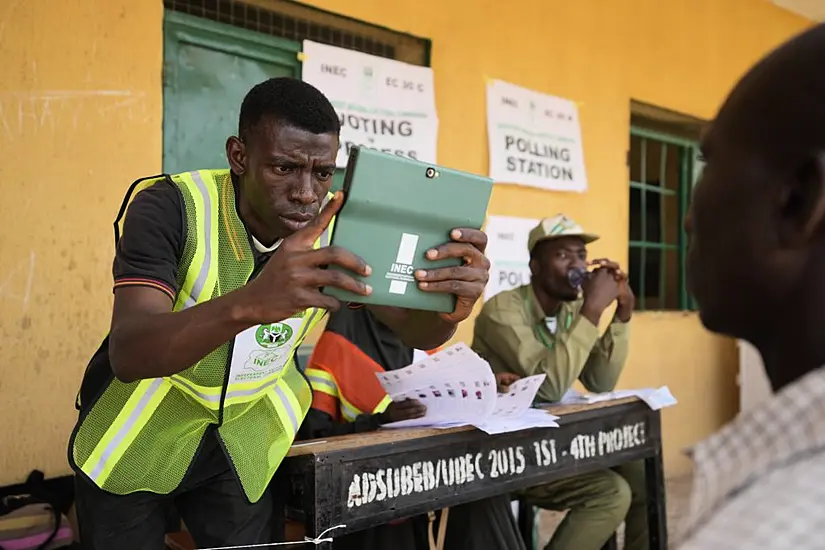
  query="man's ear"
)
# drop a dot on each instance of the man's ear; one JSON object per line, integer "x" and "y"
{"x": 236, "y": 155}
{"x": 802, "y": 202}
{"x": 534, "y": 266}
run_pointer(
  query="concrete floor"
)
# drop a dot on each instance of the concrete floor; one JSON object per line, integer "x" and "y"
{"x": 678, "y": 494}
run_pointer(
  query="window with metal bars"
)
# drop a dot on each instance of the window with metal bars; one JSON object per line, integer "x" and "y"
{"x": 284, "y": 20}
{"x": 294, "y": 21}
{"x": 663, "y": 168}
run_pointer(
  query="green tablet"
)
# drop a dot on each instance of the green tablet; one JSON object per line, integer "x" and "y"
{"x": 395, "y": 209}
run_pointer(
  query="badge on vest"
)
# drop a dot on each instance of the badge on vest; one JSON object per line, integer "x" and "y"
{"x": 262, "y": 351}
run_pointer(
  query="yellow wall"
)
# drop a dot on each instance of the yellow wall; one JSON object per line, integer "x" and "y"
{"x": 80, "y": 118}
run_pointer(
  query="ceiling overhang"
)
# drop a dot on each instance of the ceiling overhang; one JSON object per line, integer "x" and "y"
{"x": 809, "y": 9}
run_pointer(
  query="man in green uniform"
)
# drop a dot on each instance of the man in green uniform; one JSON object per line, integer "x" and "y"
{"x": 551, "y": 326}
{"x": 193, "y": 399}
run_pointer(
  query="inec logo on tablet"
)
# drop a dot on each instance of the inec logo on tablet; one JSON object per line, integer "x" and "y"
{"x": 274, "y": 335}
{"x": 401, "y": 271}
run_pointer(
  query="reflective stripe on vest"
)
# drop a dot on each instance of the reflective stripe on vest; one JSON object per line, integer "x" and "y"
{"x": 324, "y": 382}
{"x": 382, "y": 406}
{"x": 125, "y": 428}
{"x": 105, "y": 436}
{"x": 202, "y": 274}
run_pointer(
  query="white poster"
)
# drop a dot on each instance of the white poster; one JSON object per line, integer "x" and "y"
{"x": 383, "y": 104}
{"x": 535, "y": 139}
{"x": 507, "y": 252}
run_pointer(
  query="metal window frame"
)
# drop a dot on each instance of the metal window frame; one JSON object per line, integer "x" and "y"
{"x": 296, "y": 21}
{"x": 346, "y": 32}
{"x": 688, "y": 173}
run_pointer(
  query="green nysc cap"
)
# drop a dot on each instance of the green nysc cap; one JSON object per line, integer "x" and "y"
{"x": 556, "y": 227}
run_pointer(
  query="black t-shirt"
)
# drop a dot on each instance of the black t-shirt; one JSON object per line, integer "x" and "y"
{"x": 361, "y": 327}
{"x": 147, "y": 254}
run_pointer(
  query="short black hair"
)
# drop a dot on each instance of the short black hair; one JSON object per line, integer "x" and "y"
{"x": 290, "y": 101}
{"x": 791, "y": 117}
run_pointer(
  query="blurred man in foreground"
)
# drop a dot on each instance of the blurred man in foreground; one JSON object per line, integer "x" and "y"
{"x": 756, "y": 266}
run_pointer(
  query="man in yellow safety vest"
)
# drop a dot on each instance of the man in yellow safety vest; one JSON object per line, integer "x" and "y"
{"x": 193, "y": 399}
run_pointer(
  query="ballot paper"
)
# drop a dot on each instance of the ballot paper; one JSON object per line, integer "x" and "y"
{"x": 456, "y": 385}
{"x": 654, "y": 398}
{"x": 450, "y": 364}
{"x": 459, "y": 389}
{"x": 519, "y": 397}
{"x": 512, "y": 411}
{"x": 531, "y": 418}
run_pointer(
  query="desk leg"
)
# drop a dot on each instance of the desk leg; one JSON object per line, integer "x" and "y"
{"x": 526, "y": 523}
{"x": 312, "y": 527}
{"x": 315, "y": 520}
{"x": 656, "y": 498}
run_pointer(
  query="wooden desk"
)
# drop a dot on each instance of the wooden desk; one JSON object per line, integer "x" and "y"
{"x": 370, "y": 479}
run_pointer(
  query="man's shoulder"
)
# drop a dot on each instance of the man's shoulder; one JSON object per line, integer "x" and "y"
{"x": 168, "y": 186}
{"x": 157, "y": 209}
{"x": 515, "y": 297}
{"x": 152, "y": 235}
{"x": 507, "y": 303}
{"x": 161, "y": 194}
{"x": 756, "y": 517}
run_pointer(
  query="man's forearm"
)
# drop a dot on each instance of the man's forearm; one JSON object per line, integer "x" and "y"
{"x": 157, "y": 345}
{"x": 619, "y": 349}
{"x": 427, "y": 329}
{"x": 418, "y": 329}
{"x": 606, "y": 361}
{"x": 600, "y": 374}
{"x": 623, "y": 314}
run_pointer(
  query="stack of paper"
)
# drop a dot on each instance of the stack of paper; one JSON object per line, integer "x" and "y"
{"x": 655, "y": 398}
{"x": 459, "y": 389}
{"x": 513, "y": 412}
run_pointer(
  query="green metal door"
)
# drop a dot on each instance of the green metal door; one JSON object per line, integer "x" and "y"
{"x": 208, "y": 68}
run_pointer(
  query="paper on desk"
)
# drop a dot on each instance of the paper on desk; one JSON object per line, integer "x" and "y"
{"x": 459, "y": 389}
{"x": 456, "y": 385}
{"x": 519, "y": 397}
{"x": 655, "y": 398}
{"x": 531, "y": 418}
{"x": 513, "y": 413}
{"x": 513, "y": 410}
{"x": 572, "y": 396}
